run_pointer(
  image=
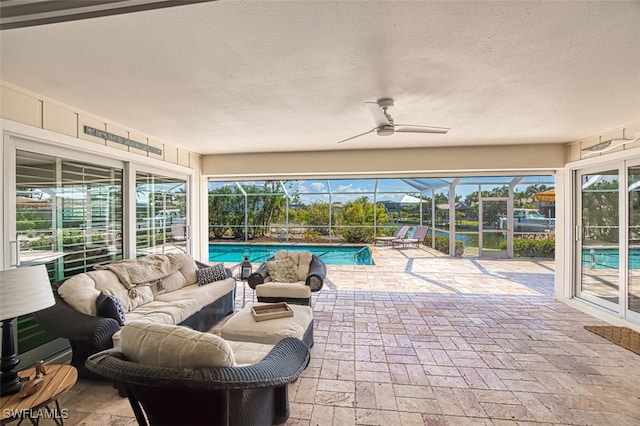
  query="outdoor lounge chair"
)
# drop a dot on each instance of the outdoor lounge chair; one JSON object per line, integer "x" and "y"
{"x": 400, "y": 233}
{"x": 294, "y": 286}
{"x": 178, "y": 234}
{"x": 418, "y": 237}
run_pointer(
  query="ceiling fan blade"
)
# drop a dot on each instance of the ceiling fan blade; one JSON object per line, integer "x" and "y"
{"x": 357, "y": 136}
{"x": 378, "y": 114}
{"x": 409, "y": 128}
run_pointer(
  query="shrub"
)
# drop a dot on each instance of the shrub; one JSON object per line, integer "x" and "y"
{"x": 533, "y": 246}
{"x": 442, "y": 244}
{"x": 310, "y": 235}
{"x": 357, "y": 235}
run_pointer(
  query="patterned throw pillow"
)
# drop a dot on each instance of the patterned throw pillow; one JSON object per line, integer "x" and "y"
{"x": 109, "y": 306}
{"x": 211, "y": 274}
{"x": 283, "y": 270}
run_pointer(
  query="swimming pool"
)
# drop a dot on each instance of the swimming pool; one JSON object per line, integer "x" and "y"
{"x": 258, "y": 253}
{"x": 608, "y": 258}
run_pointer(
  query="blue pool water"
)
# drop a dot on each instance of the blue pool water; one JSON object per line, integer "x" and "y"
{"x": 608, "y": 258}
{"x": 258, "y": 253}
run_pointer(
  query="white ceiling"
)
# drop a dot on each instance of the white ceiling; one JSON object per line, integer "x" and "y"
{"x": 233, "y": 77}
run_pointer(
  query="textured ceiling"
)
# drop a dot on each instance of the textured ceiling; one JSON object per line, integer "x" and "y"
{"x": 223, "y": 77}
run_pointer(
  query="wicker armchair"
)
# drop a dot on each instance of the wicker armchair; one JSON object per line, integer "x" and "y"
{"x": 249, "y": 395}
{"x": 297, "y": 293}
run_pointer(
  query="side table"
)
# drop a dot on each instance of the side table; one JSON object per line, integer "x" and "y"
{"x": 58, "y": 380}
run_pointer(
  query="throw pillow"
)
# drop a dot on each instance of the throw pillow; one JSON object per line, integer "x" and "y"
{"x": 211, "y": 274}
{"x": 174, "y": 346}
{"x": 109, "y": 306}
{"x": 282, "y": 270}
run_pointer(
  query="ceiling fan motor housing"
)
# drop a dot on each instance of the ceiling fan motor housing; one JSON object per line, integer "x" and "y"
{"x": 385, "y": 130}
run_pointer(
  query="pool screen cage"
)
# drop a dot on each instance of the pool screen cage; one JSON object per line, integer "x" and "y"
{"x": 483, "y": 214}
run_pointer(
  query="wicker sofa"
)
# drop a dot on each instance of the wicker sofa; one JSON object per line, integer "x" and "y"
{"x": 80, "y": 316}
{"x": 212, "y": 382}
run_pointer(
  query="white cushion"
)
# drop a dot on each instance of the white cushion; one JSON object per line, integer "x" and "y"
{"x": 108, "y": 282}
{"x": 159, "y": 312}
{"x": 202, "y": 294}
{"x": 297, "y": 290}
{"x": 249, "y": 353}
{"x": 80, "y": 293}
{"x": 243, "y": 327}
{"x": 174, "y": 346}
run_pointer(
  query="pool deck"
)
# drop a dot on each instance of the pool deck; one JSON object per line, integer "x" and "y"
{"x": 422, "y": 338}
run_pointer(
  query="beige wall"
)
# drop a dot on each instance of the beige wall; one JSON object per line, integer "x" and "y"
{"x": 416, "y": 161}
{"x": 545, "y": 157}
{"x": 29, "y": 108}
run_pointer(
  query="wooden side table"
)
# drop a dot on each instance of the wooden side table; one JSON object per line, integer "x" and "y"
{"x": 58, "y": 380}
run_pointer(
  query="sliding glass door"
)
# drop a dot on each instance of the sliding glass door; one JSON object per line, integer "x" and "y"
{"x": 599, "y": 243}
{"x": 72, "y": 210}
{"x": 161, "y": 214}
{"x": 66, "y": 215}
{"x": 633, "y": 234}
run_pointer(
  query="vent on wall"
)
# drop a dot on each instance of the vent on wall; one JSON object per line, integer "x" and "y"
{"x": 29, "y": 13}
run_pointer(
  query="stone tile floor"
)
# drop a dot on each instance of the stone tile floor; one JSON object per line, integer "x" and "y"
{"x": 421, "y": 338}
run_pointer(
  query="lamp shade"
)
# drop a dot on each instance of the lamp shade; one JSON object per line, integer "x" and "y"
{"x": 24, "y": 291}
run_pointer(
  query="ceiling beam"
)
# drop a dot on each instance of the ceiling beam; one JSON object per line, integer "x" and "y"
{"x": 29, "y": 13}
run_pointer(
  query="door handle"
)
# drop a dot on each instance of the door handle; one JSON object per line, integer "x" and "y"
{"x": 14, "y": 254}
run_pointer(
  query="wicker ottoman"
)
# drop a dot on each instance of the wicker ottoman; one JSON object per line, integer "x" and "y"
{"x": 243, "y": 327}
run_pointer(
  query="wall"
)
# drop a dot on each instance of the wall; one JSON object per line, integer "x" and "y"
{"x": 39, "y": 118}
{"x": 414, "y": 161}
{"x": 29, "y": 108}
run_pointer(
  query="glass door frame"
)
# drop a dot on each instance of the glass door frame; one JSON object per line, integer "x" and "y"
{"x": 618, "y": 166}
{"x": 19, "y": 138}
{"x": 130, "y": 205}
{"x": 624, "y": 299}
{"x": 12, "y": 143}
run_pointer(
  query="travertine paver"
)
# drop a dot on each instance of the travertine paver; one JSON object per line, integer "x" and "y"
{"x": 421, "y": 338}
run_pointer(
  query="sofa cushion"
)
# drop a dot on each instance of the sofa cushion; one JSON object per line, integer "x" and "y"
{"x": 297, "y": 290}
{"x": 160, "y": 312}
{"x": 174, "y": 346}
{"x": 189, "y": 268}
{"x": 80, "y": 293}
{"x": 203, "y": 295}
{"x": 172, "y": 282}
{"x": 211, "y": 274}
{"x": 248, "y": 353}
{"x": 108, "y": 282}
{"x": 283, "y": 270}
{"x": 108, "y": 306}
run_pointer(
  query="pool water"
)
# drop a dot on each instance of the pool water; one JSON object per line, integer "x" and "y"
{"x": 258, "y": 253}
{"x": 608, "y": 258}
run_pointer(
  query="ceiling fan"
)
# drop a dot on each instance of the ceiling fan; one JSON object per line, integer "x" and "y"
{"x": 385, "y": 125}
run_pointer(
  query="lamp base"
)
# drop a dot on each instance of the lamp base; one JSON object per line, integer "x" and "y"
{"x": 10, "y": 380}
{"x": 12, "y": 387}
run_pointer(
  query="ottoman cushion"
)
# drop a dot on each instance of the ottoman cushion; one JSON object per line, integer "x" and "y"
{"x": 299, "y": 290}
{"x": 243, "y": 327}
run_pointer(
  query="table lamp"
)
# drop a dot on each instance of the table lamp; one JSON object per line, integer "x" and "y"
{"x": 22, "y": 291}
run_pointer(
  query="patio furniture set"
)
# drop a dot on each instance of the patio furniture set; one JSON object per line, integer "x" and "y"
{"x": 172, "y": 370}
